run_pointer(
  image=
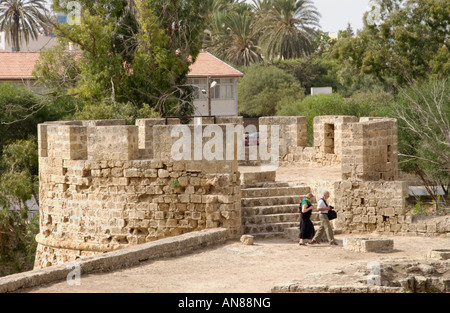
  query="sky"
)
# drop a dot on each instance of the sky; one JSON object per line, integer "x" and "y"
{"x": 337, "y": 13}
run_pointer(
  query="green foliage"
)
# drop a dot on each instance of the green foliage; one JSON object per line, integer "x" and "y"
{"x": 423, "y": 113}
{"x": 57, "y": 70}
{"x": 409, "y": 41}
{"x": 19, "y": 180}
{"x": 241, "y": 34}
{"x": 17, "y": 105}
{"x": 287, "y": 28}
{"x": 18, "y": 184}
{"x": 418, "y": 208}
{"x": 370, "y": 103}
{"x": 113, "y": 110}
{"x": 264, "y": 88}
{"x": 131, "y": 52}
{"x": 234, "y": 38}
{"x": 17, "y": 241}
{"x": 175, "y": 184}
{"x": 21, "y": 156}
{"x": 360, "y": 104}
{"x": 315, "y": 70}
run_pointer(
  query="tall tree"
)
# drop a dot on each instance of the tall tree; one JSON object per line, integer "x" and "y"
{"x": 234, "y": 38}
{"x": 22, "y": 19}
{"x": 135, "y": 51}
{"x": 402, "y": 40}
{"x": 288, "y": 28}
{"x": 423, "y": 112}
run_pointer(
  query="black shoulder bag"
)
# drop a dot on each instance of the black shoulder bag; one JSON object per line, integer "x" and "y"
{"x": 331, "y": 213}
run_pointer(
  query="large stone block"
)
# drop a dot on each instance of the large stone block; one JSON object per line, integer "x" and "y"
{"x": 111, "y": 143}
{"x": 368, "y": 244}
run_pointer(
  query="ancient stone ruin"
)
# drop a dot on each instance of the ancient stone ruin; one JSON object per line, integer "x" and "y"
{"x": 105, "y": 185}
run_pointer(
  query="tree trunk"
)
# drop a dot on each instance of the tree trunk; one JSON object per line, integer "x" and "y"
{"x": 15, "y": 39}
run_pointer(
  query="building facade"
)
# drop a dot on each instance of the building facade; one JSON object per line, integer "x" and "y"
{"x": 222, "y": 79}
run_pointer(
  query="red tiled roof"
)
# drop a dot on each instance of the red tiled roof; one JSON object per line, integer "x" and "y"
{"x": 17, "y": 65}
{"x": 208, "y": 65}
{"x": 20, "y": 65}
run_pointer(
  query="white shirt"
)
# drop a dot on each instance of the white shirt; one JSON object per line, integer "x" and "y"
{"x": 322, "y": 205}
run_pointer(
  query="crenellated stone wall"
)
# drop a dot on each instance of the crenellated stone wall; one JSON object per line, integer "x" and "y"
{"x": 105, "y": 185}
{"x": 328, "y": 138}
{"x": 292, "y": 134}
{"x": 99, "y": 192}
{"x": 369, "y": 150}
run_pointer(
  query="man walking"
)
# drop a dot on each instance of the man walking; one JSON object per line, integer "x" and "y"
{"x": 323, "y": 208}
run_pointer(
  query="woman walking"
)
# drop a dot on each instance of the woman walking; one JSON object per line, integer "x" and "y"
{"x": 306, "y": 226}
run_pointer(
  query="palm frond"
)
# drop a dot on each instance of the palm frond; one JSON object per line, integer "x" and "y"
{"x": 22, "y": 20}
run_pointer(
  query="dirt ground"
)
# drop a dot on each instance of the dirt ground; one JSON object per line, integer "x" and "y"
{"x": 234, "y": 267}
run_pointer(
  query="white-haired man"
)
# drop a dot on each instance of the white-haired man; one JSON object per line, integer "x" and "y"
{"x": 325, "y": 227}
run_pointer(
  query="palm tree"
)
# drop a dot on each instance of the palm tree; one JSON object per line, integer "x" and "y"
{"x": 262, "y": 6}
{"x": 21, "y": 19}
{"x": 287, "y": 28}
{"x": 234, "y": 38}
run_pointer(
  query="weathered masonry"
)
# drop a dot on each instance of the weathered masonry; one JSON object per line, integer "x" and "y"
{"x": 101, "y": 189}
{"x": 105, "y": 185}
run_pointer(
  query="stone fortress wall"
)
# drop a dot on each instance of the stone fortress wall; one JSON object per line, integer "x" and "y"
{"x": 100, "y": 189}
{"x": 368, "y": 196}
{"x": 105, "y": 185}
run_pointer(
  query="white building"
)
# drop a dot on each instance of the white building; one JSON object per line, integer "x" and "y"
{"x": 321, "y": 90}
{"x": 223, "y": 80}
{"x": 2, "y": 41}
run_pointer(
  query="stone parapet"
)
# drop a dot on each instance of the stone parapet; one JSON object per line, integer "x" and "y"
{"x": 292, "y": 134}
{"x": 97, "y": 194}
{"x": 109, "y": 261}
{"x": 328, "y": 138}
{"x": 370, "y": 150}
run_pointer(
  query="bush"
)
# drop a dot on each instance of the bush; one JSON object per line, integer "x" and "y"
{"x": 423, "y": 113}
{"x": 18, "y": 184}
{"x": 360, "y": 104}
{"x": 313, "y": 71}
{"x": 17, "y": 243}
{"x": 370, "y": 103}
{"x": 16, "y": 103}
{"x": 264, "y": 88}
{"x": 115, "y": 110}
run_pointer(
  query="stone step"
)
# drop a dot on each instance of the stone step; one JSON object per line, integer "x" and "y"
{"x": 266, "y": 185}
{"x": 269, "y": 209}
{"x": 274, "y": 191}
{"x": 268, "y": 228}
{"x": 275, "y": 209}
{"x": 268, "y": 235}
{"x": 269, "y": 201}
{"x": 271, "y": 218}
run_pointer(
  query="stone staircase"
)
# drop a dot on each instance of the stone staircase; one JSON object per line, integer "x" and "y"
{"x": 270, "y": 208}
